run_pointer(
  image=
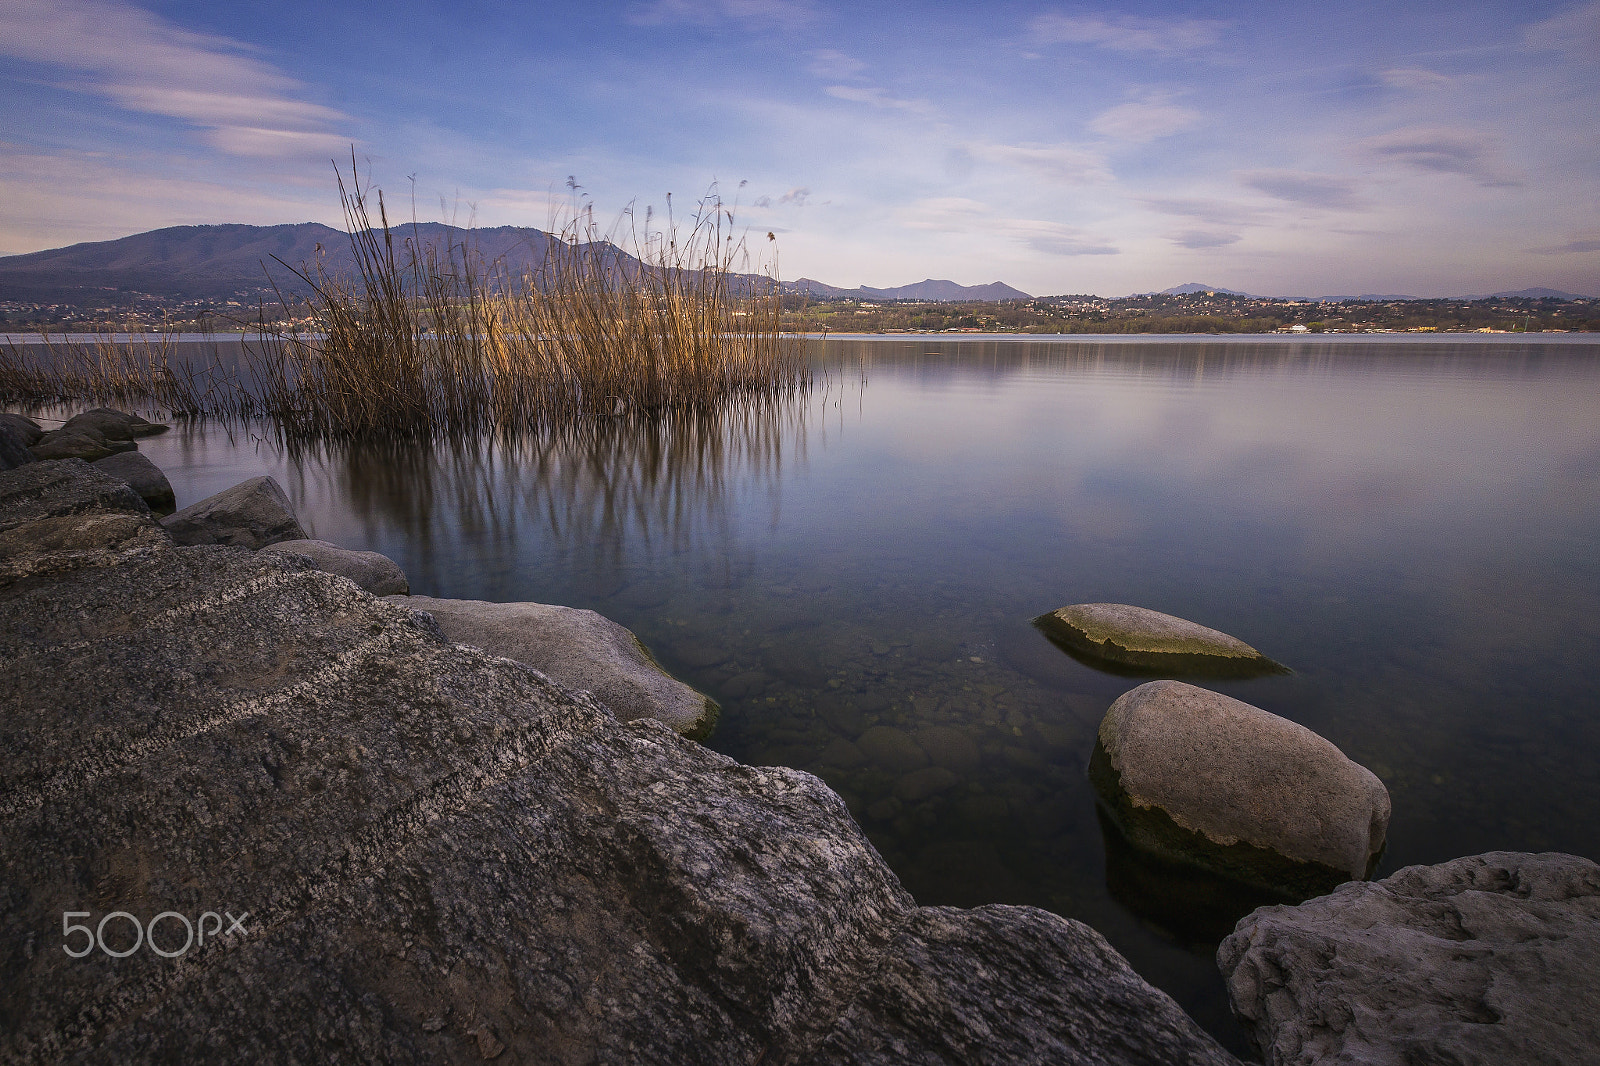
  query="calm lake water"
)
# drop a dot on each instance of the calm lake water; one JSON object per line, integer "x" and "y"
{"x": 1412, "y": 524}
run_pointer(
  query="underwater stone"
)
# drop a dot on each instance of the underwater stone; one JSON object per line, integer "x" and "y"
{"x": 114, "y": 424}
{"x": 893, "y": 749}
{"x": 1137, "y": 636}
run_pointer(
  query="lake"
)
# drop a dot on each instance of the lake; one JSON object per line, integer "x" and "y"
{"x": 1412, "y": 524}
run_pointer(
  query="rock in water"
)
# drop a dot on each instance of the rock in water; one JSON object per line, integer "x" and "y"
{"x": 252, "y": 514}
{"x": 580, "y": 650}
{"x": 1194, "y": 775}
{"x": 143, "y": 477}
{"x": 85, "y": 443}
{"x": 114, "y": 424}
{"x": 378, "y": 574}
{"x": 14, "y": 444}
{"x": 1479, "y": 961}
{"x": 1150, "y": 640}
{"x": 25, "y": 426}
{"x": 58, "y": 515}
{"x": 435, "y": 854}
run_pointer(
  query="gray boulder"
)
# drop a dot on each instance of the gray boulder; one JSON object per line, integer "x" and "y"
{"x": 26, "y": 427}
{"x": 1150, "y": 640}
{"x": 1195, "y": 775}
{"x": 437, "y": 855}
{"x": 65, "y": 514}
{"x": 378, "y": 574}
{"x": 252, "y": 514}
{"x": 143, "y": 477}
{"x": 580, "y": 650}
{"x": 1479, "y": 961}
{"x": 114, "y": 424}
{"x": 85, "y": 443}
{"x": 14, "y": 447}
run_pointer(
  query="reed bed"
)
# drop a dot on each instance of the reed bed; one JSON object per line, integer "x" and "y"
{"x": 423, "y": 341}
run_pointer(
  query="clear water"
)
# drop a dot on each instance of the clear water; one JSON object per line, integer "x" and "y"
{"x": 1413, "y": 526}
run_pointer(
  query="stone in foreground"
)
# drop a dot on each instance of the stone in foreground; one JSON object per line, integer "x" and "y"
{"x": 1194, "y": 775}
{"x": 143, "y": 477}
{"x": 14, "y": 442}
{"x": 85, "y": 443}
{"x": 579, "y": 650}
{"x": 252, "y": 514}
{"x": 25, "y": 426}
{"x": 376, "y": 573}
{"x": 445, "y": 857}
{"x": 1479, "y": 961}
{"x": 1149, "y": 640}
{"x": 65, "y": 513}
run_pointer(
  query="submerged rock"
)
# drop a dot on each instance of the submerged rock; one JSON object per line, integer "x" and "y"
{"x": 436, "y": 854}
{"x": 251, "y": 514}
{"x": 579, "y": 649}
{"x": 377, "y": 573}
{"x": 1485, "y": 960}
{"x": 143, "y": 477}
{"x": 114, "y": 424}
{"x": 1150, "y": 640}
{"x": 1201, "y": 777}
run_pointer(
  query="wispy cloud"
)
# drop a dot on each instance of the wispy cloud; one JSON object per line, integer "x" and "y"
{"x": 868, "y": 94}
{"x": 1127, "y": 33}
{"x": 832, "y": 65}
{"x": 1415, "y": 78}
{"x": 715, "y": 14}
{"x": 1140, "y": 122}
{"x": 145, "y": 64}
{"x": 1200, "y": 238}
{"x": 956, "y": 214}
{"x": 1575, "y": 31}
{"x": 1577, "y": 245}
{"x": 1304, "y": 187}
{"x": 1444, "y": 150}
{"x": 1055, "y": 238}
{"x": 1216, "y": 212}
{"x": 1066, "y": 164}
{"x": 943, "y": 214}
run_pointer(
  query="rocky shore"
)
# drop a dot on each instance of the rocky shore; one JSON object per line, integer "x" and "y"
{"x": 446, "y": 830}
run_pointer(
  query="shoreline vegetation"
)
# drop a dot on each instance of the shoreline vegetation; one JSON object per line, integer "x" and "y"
{"x": 427, "y": 341}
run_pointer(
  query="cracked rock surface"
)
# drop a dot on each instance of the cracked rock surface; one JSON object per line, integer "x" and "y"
{"x": 1487, "y": 959}
{"x": 444, "y": 856}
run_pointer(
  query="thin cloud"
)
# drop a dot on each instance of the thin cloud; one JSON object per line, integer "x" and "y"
{"x": 1128, "y": 33}
{"x": 831, "y": 65}
{"x": 797, "y": 197}
{"x": 1199, "y": 238}
{"x": 148, "y": 65}
{"x": 1054, "y": 238}
{"x": 1304, "y": 187}
{"x": 943, "y": 214}
{"x": 867, "y": 94}
{"x": 1443, "y": 150}
{"x": 1140, "y": 122}
{"x": 1581, "y": 244}
{"x": 1575, "y": 31}
{"x": 1216, "y": 212}
{"x": 1065, "y": 164}
{"x": 715, "y": 14}
{"x": 1415, "y": 78}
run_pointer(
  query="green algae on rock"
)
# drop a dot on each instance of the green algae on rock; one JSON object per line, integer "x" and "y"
{"x": 1149, "y": 640}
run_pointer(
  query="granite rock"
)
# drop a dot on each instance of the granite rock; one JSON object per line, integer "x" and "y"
{"x": 378, "y": 574}
{"x": 251, "y": 514}
{"x": 85, "y": 443}
{"x": 62, "y": 514}
{"x": 143, "y": 477}
{"x": 114, "y": 424}
{"x": 1149, "y": 640}
{"x": 25, "y": 426}
{"x": 579, "y": 650}
{"x": 1196, "y": 775}
{"x": 14, "y": 444}
{"x": 1479, "y": 961}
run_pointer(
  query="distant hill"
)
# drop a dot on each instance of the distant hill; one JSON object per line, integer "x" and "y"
{"x": 931, "y": 290}
{"x": 1534, "y": 294}
{"x": 1194, "y": 286}
{"x": 221, "y": 262}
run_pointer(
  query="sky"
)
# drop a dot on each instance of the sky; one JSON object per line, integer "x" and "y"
{"x": 1283, "y": 149}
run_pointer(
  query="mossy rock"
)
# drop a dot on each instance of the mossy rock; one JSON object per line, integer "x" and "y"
{"x": 1137, "y": 640}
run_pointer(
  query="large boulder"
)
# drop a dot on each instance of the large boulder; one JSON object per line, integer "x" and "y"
{"x": 65, "y": 514}
{"x": 252, "y": 514}
{"x": 579, "y": 649}
{"x": 435, "y": 854}
{"x": 1149, "y": 640}
{"x": 14, "y": 446}
{"x": 378, "y": 574}
{"x": 143, "y": 477}
{"x": 85, "y": 443}
{"x": 1479, "y": 961}
{"x": 26, "y": 427}
{"x": 1197, "y": 776}
{"x": 114, "y": 424}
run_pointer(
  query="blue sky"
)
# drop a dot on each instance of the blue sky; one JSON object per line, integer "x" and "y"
{"x": 1343, "y": 147}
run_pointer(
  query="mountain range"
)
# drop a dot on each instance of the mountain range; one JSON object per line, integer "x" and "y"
{"x": 929, "y": 290}
{"x": 1189, "y": 287}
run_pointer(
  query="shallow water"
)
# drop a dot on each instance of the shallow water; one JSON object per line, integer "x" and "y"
{"x": 1413, "y": 526}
